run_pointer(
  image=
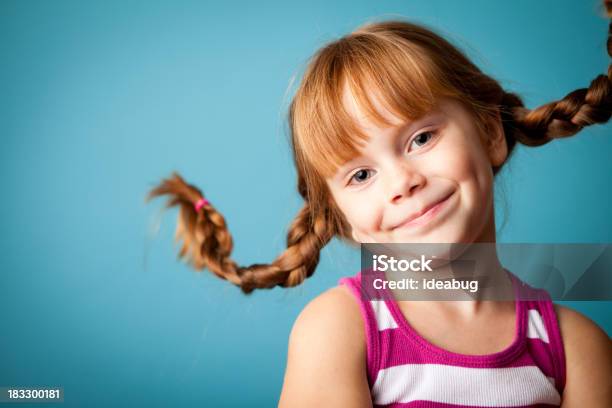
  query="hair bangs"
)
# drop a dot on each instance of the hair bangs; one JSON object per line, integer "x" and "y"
{"x": 387, "y": 81}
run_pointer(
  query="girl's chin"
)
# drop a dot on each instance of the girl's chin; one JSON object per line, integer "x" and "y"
{"x": 442, "y": 234}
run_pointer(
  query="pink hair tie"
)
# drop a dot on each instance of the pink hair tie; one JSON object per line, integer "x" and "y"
{"x": 200, "y": 203}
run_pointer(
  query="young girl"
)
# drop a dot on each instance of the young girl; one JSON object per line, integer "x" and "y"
{"x": 397, "y": 138}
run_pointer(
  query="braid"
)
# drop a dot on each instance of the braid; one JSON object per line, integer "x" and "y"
{"x": 207, "y": 242}
{"x": 562, "y": 118}
{"x": 298, "y": 262}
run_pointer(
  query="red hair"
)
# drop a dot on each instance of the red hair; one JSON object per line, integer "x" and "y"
{"x": 409, "y": 68}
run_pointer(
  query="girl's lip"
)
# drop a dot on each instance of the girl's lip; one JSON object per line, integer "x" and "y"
{"x": 427, "y": 215}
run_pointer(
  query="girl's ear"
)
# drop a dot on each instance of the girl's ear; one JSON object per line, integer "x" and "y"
{"x": 497, "y": 148}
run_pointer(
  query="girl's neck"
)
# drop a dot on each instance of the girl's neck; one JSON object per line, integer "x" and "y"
{"x": 495, "y": 289}
{"x": 479, "y": 262}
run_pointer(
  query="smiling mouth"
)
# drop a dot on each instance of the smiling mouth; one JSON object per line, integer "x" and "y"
{"x": 427, "y": 215}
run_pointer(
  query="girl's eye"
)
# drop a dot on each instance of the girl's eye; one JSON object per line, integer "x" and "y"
{"x": 360, "y": 176}
{"x": 422, "y": 139}
{"x": 419, "y": 141}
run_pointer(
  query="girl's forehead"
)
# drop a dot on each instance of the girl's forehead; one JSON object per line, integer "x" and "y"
{"x": 369, "y": 116}
{"x": 445, "y": 110}
{"x": 341, "y": 120}
{"x": 377, "y": 116}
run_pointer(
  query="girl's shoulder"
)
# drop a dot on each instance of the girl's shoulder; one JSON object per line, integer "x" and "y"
{"x": 588, "y": 354}
{"x": 332, "y": 310}
{"x": 326, "y": 354}
{"x": 334, "y": 318}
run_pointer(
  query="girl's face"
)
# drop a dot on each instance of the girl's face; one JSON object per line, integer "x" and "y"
{"x": 427, "y": 181}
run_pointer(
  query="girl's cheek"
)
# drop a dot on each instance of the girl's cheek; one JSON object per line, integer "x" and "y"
{"x": 355, "y": 209}
{"x": 366, "y": 212}
{"x": 454, "y": 161}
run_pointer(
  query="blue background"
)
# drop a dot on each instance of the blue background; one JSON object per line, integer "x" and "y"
{"x": 100, "y": 100}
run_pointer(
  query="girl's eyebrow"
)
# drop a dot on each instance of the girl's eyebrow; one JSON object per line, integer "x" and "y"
{"x": 412, "y": 126}
{"x": 408, "y": 127}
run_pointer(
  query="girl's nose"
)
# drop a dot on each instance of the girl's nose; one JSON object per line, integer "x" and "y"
{"x": 404, "y": 182}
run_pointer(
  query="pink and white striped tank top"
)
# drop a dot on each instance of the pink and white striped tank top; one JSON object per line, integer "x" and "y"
{"x": 405, "y": 370}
